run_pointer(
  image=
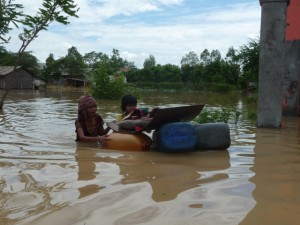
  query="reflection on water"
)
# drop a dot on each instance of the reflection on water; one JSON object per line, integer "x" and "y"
{"x": 48, "y": 178}
{"x": 277, "y": 168}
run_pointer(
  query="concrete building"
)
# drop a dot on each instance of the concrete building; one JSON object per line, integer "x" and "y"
{"x": 291, "y": 101}
{"x": 279, "y": 66}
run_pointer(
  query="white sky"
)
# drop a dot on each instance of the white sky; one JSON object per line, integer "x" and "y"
{"x": 166, "y": 29}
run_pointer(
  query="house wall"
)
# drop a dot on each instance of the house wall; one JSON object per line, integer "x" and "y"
{"x": 293, "y": 21}
{"x": 290, "y": 101}
{"x": 2, "y": 82}
{"x": 20, "y": 80}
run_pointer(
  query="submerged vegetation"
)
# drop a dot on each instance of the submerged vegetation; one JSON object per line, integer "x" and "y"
{"x": 211, "y": 115}
{"x": 230, "y": 115}
{"x": 252, "y": 112}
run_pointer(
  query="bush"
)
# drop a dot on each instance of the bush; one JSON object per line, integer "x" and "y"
{"x": 108, "y": 87}
{"x": 217, "y": 115}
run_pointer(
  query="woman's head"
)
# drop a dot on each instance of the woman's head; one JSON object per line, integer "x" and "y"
{"x": 129, "y": 102}
{"x": 85, "y": 102}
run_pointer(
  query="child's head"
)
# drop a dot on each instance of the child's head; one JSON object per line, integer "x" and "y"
{"x": 129, "y": 102}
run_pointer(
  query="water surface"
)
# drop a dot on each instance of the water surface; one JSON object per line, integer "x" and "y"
{"x": 48, "y": 178}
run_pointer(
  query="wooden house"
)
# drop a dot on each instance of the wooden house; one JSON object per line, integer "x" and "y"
{"x": 19, "y": 79}
{"x": 76, "y": 82}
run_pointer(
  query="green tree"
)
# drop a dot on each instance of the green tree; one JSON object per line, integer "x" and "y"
{"x": 116, "y": 62}
{"x": 28, "y": 61}
{"x": 105, "y": 86}
{"x": 248, "y": 56}
{"x": 149, "y": 62}
{"x": 133, "y": 75}
{"x": 129, "y": 65}
{"x": 73, "y": 63}
{"x": 205, "y": 57}
{"x": 190, "y": 73}
{"x": 148, "y": 74}
{"x": 51, "y": 10}
{"x": 171, "y": 73}
{"x": 9, "y": 13}
{"x": 231, "y": 55}
{"x": 52, "y": 70}
{"x": 215, "y": 56}
{"x": 190, "y": 59}
{"x": 6, "y": 58}
{"x": 230, "y": 72}
{"x": 91, "y": 59}
{"x": 233, "y": 68}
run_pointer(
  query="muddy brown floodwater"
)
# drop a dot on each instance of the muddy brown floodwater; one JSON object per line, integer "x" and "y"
{"x": 48, "y": 178}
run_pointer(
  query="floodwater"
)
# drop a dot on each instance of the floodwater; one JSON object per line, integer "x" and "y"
{"x": 48, "y": 178}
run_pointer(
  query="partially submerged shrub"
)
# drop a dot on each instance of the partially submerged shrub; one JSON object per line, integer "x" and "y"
{"x": 210, "y": 115}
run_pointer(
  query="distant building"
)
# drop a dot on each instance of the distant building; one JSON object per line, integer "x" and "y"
{"x": 19, "y": 79}
{"x": 292, "y": 20}
{"x": 74, "y": 82}
{"x": 291, "y": 89}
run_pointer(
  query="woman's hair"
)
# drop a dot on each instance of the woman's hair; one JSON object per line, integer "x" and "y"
{"x": 128, "y": 100}
{"x": 85, "y": 102}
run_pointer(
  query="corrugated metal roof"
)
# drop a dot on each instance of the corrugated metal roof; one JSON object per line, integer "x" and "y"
{"x": 4, "y": 70}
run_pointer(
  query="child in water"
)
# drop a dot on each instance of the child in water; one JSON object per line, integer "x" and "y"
{"x": 132, "y": 119}
{"x": 90, "y": 125}
{"x": 129, "y": 109}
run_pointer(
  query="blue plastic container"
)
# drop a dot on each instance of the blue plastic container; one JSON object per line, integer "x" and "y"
{"x": 175, "y": 137}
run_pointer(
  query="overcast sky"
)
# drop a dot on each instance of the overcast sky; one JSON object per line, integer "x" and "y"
{"x": 166, "y": 29}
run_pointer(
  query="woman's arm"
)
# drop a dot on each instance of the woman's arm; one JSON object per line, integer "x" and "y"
{"x": 101, "y": 139}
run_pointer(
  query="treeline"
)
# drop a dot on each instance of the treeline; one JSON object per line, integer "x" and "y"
{"x": 206, "y": 70}
{"x": 198, "y": 71}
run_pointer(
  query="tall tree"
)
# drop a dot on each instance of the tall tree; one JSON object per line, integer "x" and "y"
{"x": 53, "y": 68}
{"x": 215, "y": 55}
{"x": 231, "y": 55}
{"x": 205, "y": 57}
{"x": 10, "y": 13}
{"x": 51, "y": 10}
{"x": 116, "y": 62}
{"x": 149, "y": 62}
{"x": 171, "y": 73}
{"x": 91, "y": 59}
{"x": 28, "y": 61}
{"x": 6, "y": 57}
{"x": 249, "y": 58}
{"x": 190, "y": 59}
{"x": 73, "y": 63}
